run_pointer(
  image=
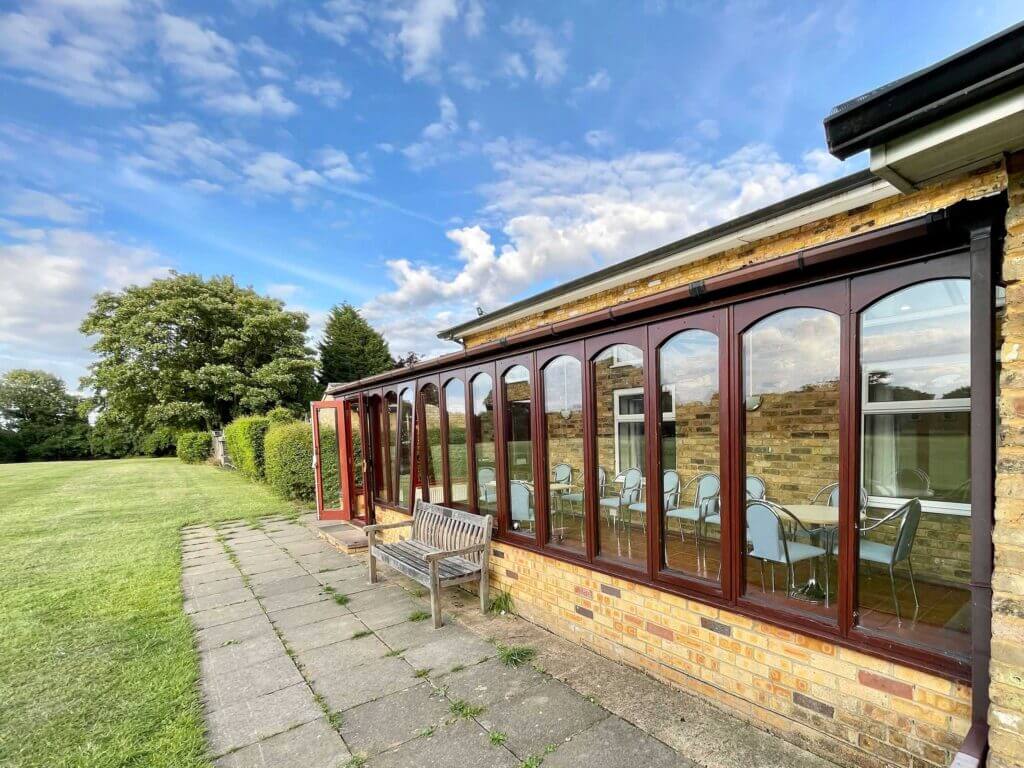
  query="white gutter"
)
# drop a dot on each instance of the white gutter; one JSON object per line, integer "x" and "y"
{"x": 840, "y": 203}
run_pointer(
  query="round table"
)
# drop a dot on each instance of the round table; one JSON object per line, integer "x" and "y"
{"x": 815, "y": 515}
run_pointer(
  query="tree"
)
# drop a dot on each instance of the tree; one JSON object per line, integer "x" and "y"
{"x": 189, "y": 353}
{"x": 351, "y": 349}
{"x": 40, "y": 419}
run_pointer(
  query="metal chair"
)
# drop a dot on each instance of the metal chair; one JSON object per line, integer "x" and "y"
{"x": 767, "y": 540}
{"x": 562, "y": 473}
{"x": 830, "y": 494}
{"x": 486, "y": 486}
{"x": 521, "y": 504}
{"x": 755, "y": 487}
{"x": 706, "y": 487}
{"x": 627, "y": 493}
{"x": 669, "y": 495}
{"x": 908, "y": 517}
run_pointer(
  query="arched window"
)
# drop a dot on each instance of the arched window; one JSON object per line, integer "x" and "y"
{"x": 405, "y": 426}
{"x": 516, "y": 396}
{"x": 432, "y": 467}
{"x": 563, "y": 423}
{"x": 458, "y": 463}
{"x": 483, "y": 445}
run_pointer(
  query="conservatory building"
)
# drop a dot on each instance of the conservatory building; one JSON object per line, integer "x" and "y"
{"x": 778, "y": 463}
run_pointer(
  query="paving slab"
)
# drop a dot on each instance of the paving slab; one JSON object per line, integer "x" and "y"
{"x": 233, "y": 632}
{"x": 294, "y": 598}
{"x": 282, "y": 586}
{"x": 313, "y": 745}
{"x": 344, "y": 688}
{"x": 614, "y": 743}
{"x": 460, "y": 745}
{"x": 288, "y": 571}
{"x": 265, "y": 564}
{"x": 309, "y": 613}
{"x": 216, "y": 616}
{"x": 220, "y": 600}
{"x": 246, "y": 722}
{"x": 191, "y": 578}
{"x": 301, "y": 547}
{"x": 392, "y": 720}
{"x": 308, "y": 637}
{"x": 546, "y": 714}
{"x": 224, "y": 686}
{"x": 448, "y": 653}
{"x": 214, "y": 587}
{"x": 341, "y": 655}
{"x": 491, "y": 683}
{"x": 244, "y": 652}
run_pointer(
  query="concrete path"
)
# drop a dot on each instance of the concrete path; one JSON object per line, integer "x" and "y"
{"x": 305, "y": 664}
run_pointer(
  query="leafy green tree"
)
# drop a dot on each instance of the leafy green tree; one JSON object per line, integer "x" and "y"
{"x": 40, "y": 418}
{"x": 189, "y": 353}
{"x": 351, "y": 348}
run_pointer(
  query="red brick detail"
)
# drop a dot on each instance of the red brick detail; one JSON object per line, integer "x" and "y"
{"x": 885, "y": 684}
{"x": 660, "y": 631}
{"x": 585, "y": 593}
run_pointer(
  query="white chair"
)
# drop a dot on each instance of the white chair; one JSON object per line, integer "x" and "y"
{"x": 628, "y": 492}
{"x": 707, "y": 486}
{"x": 755, "y": 487}
{"x": 486, "y": 486}
{"x": 768, "y": 543}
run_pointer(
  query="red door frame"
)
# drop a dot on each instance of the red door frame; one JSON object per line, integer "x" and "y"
{"x": 342, "y": 430}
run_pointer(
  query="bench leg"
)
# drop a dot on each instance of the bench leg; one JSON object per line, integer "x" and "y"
{"x": 372, "y": 561}
{"x": 485, "y": 582}
{"x": 435, "y": 596}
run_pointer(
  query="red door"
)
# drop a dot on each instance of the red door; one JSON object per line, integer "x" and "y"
{"x": 331, "y": 460}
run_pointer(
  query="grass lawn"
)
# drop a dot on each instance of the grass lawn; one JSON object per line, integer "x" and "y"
{"x": 97, "y": 666}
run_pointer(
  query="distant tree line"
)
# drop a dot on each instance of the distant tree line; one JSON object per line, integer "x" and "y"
{"x": 182, "y": 354}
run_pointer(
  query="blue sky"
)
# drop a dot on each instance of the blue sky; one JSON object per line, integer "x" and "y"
{"x": 416, "y": 158}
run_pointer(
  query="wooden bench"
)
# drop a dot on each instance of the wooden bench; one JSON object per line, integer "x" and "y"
{"x": 446, "y": 547}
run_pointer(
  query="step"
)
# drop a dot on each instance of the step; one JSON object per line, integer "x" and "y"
{"x": 345, "y": 536}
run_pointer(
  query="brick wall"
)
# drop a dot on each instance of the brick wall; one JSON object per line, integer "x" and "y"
{"x": 1006, "y": 713}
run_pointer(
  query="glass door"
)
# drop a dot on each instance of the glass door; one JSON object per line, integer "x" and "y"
{"x": 329, "y": 457}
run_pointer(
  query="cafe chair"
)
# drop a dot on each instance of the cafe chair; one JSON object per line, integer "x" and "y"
{"x": 907, "y": 518}
{"x": 616, "y": 503}
{"x": 521, "y": 505}
{"x": 706, "y": 486}
{"x": 830, "y": 495}
{"x": 767, "y": 541}
{"x": 486, "y": 487}
{"x": 755, "y": 487}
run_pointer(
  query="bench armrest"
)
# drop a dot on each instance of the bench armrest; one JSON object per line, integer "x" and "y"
{"x": 385, "y": 526}
{"x": 435, "y": 556}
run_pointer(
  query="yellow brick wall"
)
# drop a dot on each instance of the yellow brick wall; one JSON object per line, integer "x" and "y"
{"x": 981, "y": 183}
{"x": 841, "y": 704}
{"x": 1006, "y": 713}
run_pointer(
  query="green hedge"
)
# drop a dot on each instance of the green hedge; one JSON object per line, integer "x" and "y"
{"x": 194, "y": 447}
{"x": 289, "y": 460}
{"x": 280, "y": 415}
{"x": 158, "y": 442}
{"x": 244, "y": 438}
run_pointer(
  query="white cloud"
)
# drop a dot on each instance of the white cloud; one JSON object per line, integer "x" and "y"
{"x": 33, "y": 204}
{"x": 709, "y": 129}
{"x": 330, "y": 90}
{"x": 555, "y": 216}
{"x": 274, "y": 174}
{"x": 435, "y": 140}
{"x": 196, "y": 53}
{"x": 86, "y": 52}
{"x": 598, "y": 138}
{"x": 474, "y": 19}
{"x": 48, "y": 286}
{"x": 465, "y": 75}
{"x": 513, "y": 67}
{"x": 341, "y": 19}
{"x": 421, "y": 26}
{"x": 548, "y": 57}
{"x": 283, "y": 291}
{"x": 258, "y": 48}
{"x": 599, "y": 81}
{"x": 265, "y": 100}
{"x": 337, "y": 166}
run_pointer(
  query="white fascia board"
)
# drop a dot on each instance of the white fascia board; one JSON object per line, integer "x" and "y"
{"x": 841, "y": 203}
{"x": 966, "y": 140}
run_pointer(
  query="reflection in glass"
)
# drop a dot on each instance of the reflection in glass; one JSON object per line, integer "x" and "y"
{"x": 458, "y": 467}
{"x": 378, "y": 457}
{"x": 330, "y": 478}
{"x": 914, "y": 550}
{"x": 391, "y": 404}
{"x": 519, "y": 447}
{"x": 432, "y": 468}
{"x": 563, "y": 419}
{"x": 688, "y": 374}
{"x": 483, "y": 445}
{"x": 791, "y": 410}
{"x": 619, "y": 444}
{"x": 405, "y": 422}
{"x": 356, "y": 430}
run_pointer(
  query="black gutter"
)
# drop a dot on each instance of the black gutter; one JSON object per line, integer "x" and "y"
{"x": 975, "y": 74}
{"x": 804, "y": 199}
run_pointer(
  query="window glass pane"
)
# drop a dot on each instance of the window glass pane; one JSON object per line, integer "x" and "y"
{"x": 563, "y": 418}
{"x": 330, "y": 479}
{"x": 619, "y": 407}
{"x": 405, "y": 416}
{"x": 391, "y": 403}
{"x": 432, "y": 471}
{"x": 688, "y": 370}
{"x": 519, "y": 448}
{"x": 458, "y": 467}
{"x": 914, "y": 549}
{"x": 378, "y": 452}
{"x": 916, "y": 343}
{"x": 358, "y": 446}
{"x": 483, "y": 445}
{"x": 791, "y": 412}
